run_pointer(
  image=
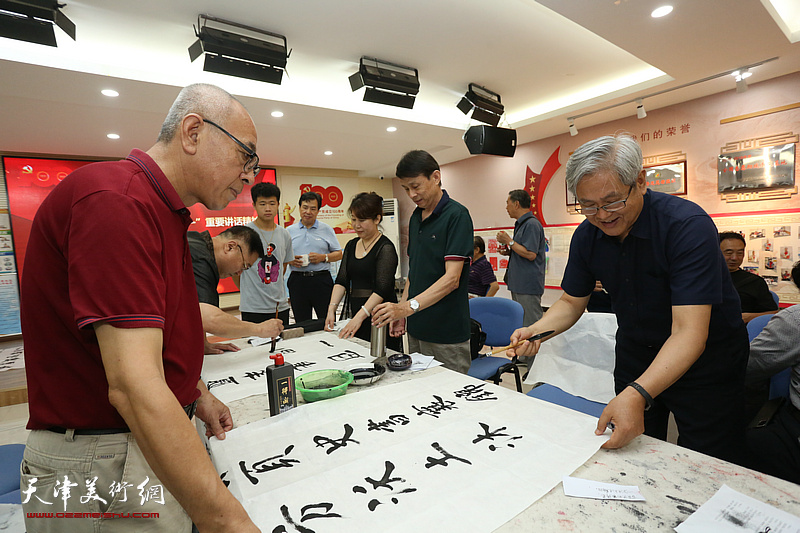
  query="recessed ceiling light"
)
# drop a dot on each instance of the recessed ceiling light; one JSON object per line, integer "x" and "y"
{"x": 662, "y": 11}
{"x": 114, "y": 136}
{"x": 109, "y": 92}
{"x": 328, "y": 152}
{"x": 277, "y": 114}
{"x": 391, "y": 129}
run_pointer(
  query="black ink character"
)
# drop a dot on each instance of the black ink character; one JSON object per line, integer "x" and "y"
{"x": 436, "y": 407}
{"x": 492, "y": 435}
{"x": 255, "y": 374}
{"x": 326, "y": 343}
{"x": 386, "y": 483}
{"x": 303, "y": 364}
{"x": 335, "y": 444}
{"x": 269, "y": 464}
{"x": 394, "y": 420}
{"x": 446, "y": 456}
{"x": 305, "y": 514}
{"x": 224, "y": 381}
{"x": 345, "y": 356}
{"x": 226, "y": 482}
{"x": 475, "y": 393}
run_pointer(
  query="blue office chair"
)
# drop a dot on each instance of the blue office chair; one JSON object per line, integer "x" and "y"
{"x": 499, "y": 317}
{"x": 776, "y": 298}
{"x": 553, "y": 394}
{"x": 755, "y": 326}
{"x": 10, "y": 459}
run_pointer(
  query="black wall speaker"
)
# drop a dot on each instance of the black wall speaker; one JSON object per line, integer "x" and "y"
{"x": 491, "y": 140}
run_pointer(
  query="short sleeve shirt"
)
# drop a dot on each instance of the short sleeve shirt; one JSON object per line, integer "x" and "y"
{"x": 671, "y": 257}
{"x": 753, "y": 292}
{"x": 109, "y": 245}
{"x": 446, "y": 235}
{"x": 481, "y": 276}
{"x": 527, "y": 277}
{"x": 319, "y": 238}
{"x": 262, "y": 286}
{"x": 204, "y": 265}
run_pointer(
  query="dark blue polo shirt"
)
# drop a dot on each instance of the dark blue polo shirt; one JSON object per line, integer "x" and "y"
{"x": 446, "y": 235}
{"x": 671, "y": 257}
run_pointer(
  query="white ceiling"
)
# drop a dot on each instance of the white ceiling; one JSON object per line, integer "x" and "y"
{"x": 548, "y": 59}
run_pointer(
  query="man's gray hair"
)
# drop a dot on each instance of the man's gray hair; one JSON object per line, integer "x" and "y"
{"x": 619, "y": 154}
{"x": 208, "y": 101}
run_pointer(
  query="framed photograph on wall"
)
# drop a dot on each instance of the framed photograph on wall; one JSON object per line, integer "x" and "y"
{"x": 667, "y": 178}
{"x": 759, "y": 168}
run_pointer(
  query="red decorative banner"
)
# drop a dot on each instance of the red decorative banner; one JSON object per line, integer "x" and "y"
{"x": 536, "y": 184}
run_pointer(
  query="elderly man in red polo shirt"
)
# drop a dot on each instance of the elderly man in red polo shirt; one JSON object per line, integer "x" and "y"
{"x": 113, "y": 336}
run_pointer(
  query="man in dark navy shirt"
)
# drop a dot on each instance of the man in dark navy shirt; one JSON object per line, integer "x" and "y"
{"x": 681, "y": 343}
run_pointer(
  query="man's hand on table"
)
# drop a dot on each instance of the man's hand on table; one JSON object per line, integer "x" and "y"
{"x": 214, "y": 413}
{"x": 388, "y": 312}
{"x": 626, "y": 413}
{"x": 216, "y": 348}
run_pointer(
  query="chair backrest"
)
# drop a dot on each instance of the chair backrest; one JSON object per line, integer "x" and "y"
{"x": 780, "y": 383}
{"x": 775, "y": 297}
{"x": 755, "y": 326}
{"x": 499, "y": 317}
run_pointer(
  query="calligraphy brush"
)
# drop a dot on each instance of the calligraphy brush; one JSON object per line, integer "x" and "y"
{"x": 274, "y": 338}
{"x": 536, "y": 337}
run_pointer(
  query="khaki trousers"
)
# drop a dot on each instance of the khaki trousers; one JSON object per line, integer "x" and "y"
{"x": 94, "y": 484}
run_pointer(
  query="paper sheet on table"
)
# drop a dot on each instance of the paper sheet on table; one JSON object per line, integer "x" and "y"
{"x": 235, "y": 375}
{"x": 423, "y": 362}
{"x": 729, "y": 511}
{"x": 584, "y": 488}
{"x": 429, "y": 454}
{"x": 580, "y": 361}
{"x": 11, "y": 358}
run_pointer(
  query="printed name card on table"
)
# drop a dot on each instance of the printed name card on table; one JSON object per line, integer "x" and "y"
{"x": 584, "y": 488}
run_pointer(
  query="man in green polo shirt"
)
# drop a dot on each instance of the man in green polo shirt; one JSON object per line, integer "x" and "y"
{"x": 435, "y": 298}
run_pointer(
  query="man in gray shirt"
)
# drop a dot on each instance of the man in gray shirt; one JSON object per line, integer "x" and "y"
{"x": 263, "y": 290}
{"x": 526, "y": 251}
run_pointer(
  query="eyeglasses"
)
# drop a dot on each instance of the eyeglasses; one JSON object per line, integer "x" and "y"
{"x": 244, "y": 261}
{"x": 608, "y": 208}
{"x": 251, "y": 165}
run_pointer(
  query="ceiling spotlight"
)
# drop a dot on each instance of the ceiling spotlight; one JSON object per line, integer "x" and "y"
{"x": 391, "y": 129}
{"x": 572, "y": 129}
{"x": 277, "y": 114}
{"x": 253, "y": 54}
{"x": 328, "y": 152}
{"x": 662, "y": 11}
{"x": 741, "y": 76}
{"x": 640, "y": 112}
{"x": 111, "y": 93}
{"x": 484, "y": 104}
{"x": 386, "y": 83}
{"x": 113, "y": 136}
{"x": 33, "y": 20}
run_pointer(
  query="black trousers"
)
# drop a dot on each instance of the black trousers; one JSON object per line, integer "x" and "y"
{"x": 774, "y": 449}
{"x": 707, "y": 402}
{"x": 261, "y": 317}
{"x": 307, "y": 293}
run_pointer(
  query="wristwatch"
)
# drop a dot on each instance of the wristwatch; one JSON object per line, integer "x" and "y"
{"x": 510, "y": 244}
{"x": 414, "y": 305}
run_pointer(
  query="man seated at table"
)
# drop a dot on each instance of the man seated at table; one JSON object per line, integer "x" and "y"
{"x": 774, "y": 449}
{"x": 753, "y": 290}
{"x": 482, "y": 281}
{"x": 213, "y": 258}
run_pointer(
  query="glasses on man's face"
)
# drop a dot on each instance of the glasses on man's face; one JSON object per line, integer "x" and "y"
{"x": 251, "y": 165}
{"x": 245, "y": 266}
{"x": 608, "y": 208}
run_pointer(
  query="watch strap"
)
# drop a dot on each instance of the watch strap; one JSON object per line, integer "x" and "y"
{"x": 646, "y": 395}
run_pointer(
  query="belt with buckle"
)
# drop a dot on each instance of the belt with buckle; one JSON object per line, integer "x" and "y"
{"x": 188, "y": 409}
{"x": 311, "y": 272}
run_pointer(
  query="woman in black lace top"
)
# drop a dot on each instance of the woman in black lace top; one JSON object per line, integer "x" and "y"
{"x": 367, "y": 271}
